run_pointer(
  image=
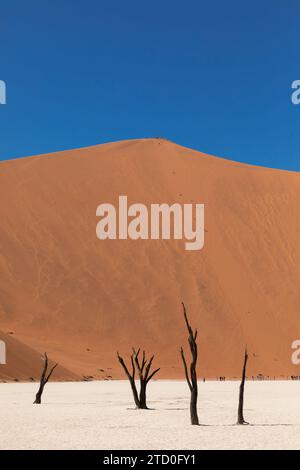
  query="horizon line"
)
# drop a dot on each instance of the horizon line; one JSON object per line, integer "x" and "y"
{"x": 139, "y": 139}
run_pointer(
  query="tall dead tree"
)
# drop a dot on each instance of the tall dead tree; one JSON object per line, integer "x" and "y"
{"x": 241, "y": 394}
{"x": 45, "y": 376}
{"x": 143, "y": 368}
{"x": 192, "y": 377}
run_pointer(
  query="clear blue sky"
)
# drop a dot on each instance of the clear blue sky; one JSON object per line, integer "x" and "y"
{"x": 215, "y": 76}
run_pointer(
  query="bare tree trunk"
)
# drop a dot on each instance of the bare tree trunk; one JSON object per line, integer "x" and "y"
{"x": 143, "y": 400}
{"x": 241, "y": 394}
{"x": 38, "y": 397}
{"x": 44, "y": 379}
{"x": 131, "y": 378}
{"x": 143, "y": 369}
{"x": 192, "y": 377}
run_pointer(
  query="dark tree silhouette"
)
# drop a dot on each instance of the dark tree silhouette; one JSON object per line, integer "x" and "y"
{"x": 143, "y": 369}
{"x": 241, "y": 394}
{"x": 44, "y": 379}
{"x": 192, "y": 378}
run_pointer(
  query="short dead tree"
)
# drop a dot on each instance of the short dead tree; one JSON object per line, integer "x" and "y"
{"x": 192, "y": 377}
{"x": 241, "y": 394}
{"x": 143, "y": 368}
{"x": 44, "y": 379}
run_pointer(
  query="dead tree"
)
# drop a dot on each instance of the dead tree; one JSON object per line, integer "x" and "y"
{"x": 192, "y": 377}
{"x": 143, "y": 370}
{"x": 241, "y": 394}
{"x": 44, "y": 379}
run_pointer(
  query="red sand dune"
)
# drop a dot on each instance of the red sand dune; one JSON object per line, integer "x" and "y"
{"x": 25, "y": 364}
{"x": 64, "y": 291}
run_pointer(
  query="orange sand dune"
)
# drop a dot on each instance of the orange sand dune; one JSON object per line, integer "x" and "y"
{"x": 81, "y": 299}
{"x": 24, "y": 363}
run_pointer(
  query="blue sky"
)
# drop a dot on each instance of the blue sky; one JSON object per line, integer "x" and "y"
{"x": 214, "y": 76}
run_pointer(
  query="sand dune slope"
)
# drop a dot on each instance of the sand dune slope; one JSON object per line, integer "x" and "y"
{"x": 24, "y": 363}
{"x": 81, "y": 299}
